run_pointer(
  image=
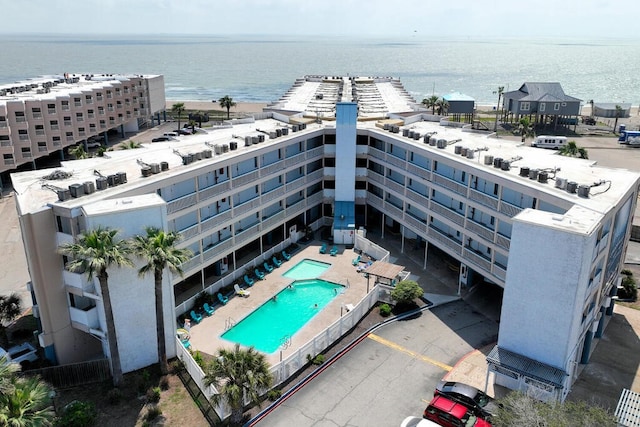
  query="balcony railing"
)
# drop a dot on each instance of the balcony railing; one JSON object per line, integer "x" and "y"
{"x": 416, "y": 224}
{"x": 294, "y": 185}
{"x": 499, "y": 272}
{"x": 298, "y": 159}
{"x": 217, "y": 250}
{"x": 416, "y": 197}
{"x": 509, "y": 209}
{"x": 181, "y": 203}
{"x": 392, "y": 185}
{"x": 273, "y": 220}
{"x": 245, "y": 178}
{"x": 189, "y": 232}
{"x": 483, "y": 199}
{"x": 447, "y": 241}
{"x": 477, "y": 259}
{"x": 503, "y": 242}
{"x": 480, "y": 230}
{"x": 250, "y": 233}
{"x": 216, "y": 220}
{"x": 272, "y": 168}
{"x": 375, "y": 177}
{"x": 214, "y": 190}
{"x": 247, "y": 206}
{"x": 446, "y": 213}
{"x": 450, "y": 184}
{"x": 401, "y": 163}
{"x": 419, "y": 172}
{"x": 86, "y": 318}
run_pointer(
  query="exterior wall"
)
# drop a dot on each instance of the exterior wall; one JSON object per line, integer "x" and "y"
{"x": 346, "y": 119}
{"x": 156, "y": 100}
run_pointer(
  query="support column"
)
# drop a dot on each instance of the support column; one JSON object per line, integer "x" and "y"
{"x": 600, "y": 324}
{"x": 609, "y": 304}
{"x": 426, "y": 250}
{"x": 382, "y": 226}
{"x": 588, "y": 341}
{"x": 402, "y": 239}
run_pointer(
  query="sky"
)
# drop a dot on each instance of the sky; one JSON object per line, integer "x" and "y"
{"x": 366, "y": 18}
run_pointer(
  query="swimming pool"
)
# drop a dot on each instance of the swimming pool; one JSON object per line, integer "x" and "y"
{"x": 306, "y": 269}
{"x": 278, "y": 319}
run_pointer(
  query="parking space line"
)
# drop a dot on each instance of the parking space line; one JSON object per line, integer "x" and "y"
{"x": 411, "y": 353}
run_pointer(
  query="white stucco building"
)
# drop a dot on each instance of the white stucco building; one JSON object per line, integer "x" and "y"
{"x": 550, "y": 230}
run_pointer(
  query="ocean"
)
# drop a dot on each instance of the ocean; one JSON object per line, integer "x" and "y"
{"x": 262, "y": 68}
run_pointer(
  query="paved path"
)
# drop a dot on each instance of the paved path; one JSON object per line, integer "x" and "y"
{"x": 14, "y": 273}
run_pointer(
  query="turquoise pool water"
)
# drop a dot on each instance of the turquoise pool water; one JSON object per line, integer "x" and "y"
{"x": 272, "y": 322}
{"x": 306, "y": 269}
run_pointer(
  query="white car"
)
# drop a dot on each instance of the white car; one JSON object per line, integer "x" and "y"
{"x": 93, "y": 144}
{"x": 24, "y": 352}
{"x": 417, "y": 422}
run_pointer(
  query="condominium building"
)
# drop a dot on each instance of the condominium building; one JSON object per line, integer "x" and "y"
{"x": 41, "y": 116}
{"x": 550, "y": 230}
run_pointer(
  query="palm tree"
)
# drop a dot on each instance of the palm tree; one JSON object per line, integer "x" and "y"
{"x": 237, "y": 374}
{"x": 26, "y": 404}
{"x": 78, "y": 152}
{"x": 226, "y": 102}
{"x": 431, "y": 103}
{"x": 158, "y": 250}
{"x": 10, "y": 308}
{"x": 178, "y": 108}
{"x": 499, "y": 92}
{"x": 96, "y": 251}
{"x": 443, "y": 106}
{"x": 572, "y": 150}
{"x": 7, "y": 372}
{"x": 592, "y": 110}
{"x": 618, "y": 115}
{"x": 525, "y": 128}
{"x": 129, "y": 145}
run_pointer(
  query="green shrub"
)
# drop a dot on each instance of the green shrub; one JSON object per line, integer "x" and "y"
{"x": 318, "y": 360}
{"x": 114, "y": 395}
{"x": 152, "y": 413}
{"x": 78, "y": 414}
{"x": 629, "y": 289}
{"x": 274, "y": 394}
{"x": 406, "y": 291}
{"x": 176, "y": 366}
{"x": 197, "y": 357}
{"x": 626, "y": 272}
{"x": 385, "y": 310}
{"x": 153, "y": 395}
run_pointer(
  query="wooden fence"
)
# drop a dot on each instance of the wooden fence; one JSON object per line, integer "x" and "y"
{"x": 74, "y": 374}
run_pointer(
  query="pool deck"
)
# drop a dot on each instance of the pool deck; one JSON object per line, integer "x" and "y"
{"x": 205, "y": 336}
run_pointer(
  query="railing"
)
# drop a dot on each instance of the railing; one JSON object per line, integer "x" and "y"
{"x": 418, "y": 171}
{"x": 417, "y": 197}
{"x": 483, "y": 199}
{"x": 446, "y": 213}
{"x": 393, "y": 211}
{"x": 375, "y": 177}
{"x": 272, "y": 168}
{"x": 181, "y": 203}
{"x": 250, "y": 233}
{"x": 502, "y": 241}
{"x": 314, "y": 199}
{"x": 298, "y": 159}
{"x": 415, "y": 223}
{"x": 245, "y": 178}
{"x": 197, "y": 375}
{"x": 481, "y": 231}
{"x": 75, "y": 374}
{"x": 189, "y": 232}
{"x": 477, "y": 259}
{"x": 219, "y": 249}
{"x": 375, "y": 153}
{"x": 246, "y": 207}
{"x": 216, "y": 220}
{"x": 499, "y": 272}
{"x": 275, "y": 219}
{"x": 375, "y": 201}
{"x": 450, "y": 184}
{"x": 438, "y": 236}
{"x": 509, "y": 209}
{"x": 214, "y": 190}
{"x": 314, "y": 176}
{"x": 295, "y": 208}
{"x": 315, "y": 152}
{"x": 401, "y": 163}
{"x": 398, "y": 188}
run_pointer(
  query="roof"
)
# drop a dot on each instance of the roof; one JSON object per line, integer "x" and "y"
{"x": 528, "y": 367}
{"x": 385, "y": 270}
{"x": 540, "y": 92}
{"x": 612, "y": 105}
{"x": 457, "y": 96}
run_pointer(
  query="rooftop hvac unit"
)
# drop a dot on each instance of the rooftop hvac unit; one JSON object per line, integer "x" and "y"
{"x": 294, "y": 128}
{"x": 63, "y": 193}
{"x": 572, "y": 187}
{"x": 396, "y": 129}
{"x": 488, "y": 159}
{"x": 561, "y": 183}
{"x": 113, "y": 180}
{"x": 416, "y": 135}
{"x": 145, "y": 171}
{"x": 543, "y": 176}
{"x": 89, "y": 187}
{"x": 101, "y": 183}
{"x": 198, "y": 155}
{"x": 505, "y": 166}
{"x": 225, "y": 148}
{"x": 524, "y": 171}
{"x": 533, "y": 173}
{"x": 218, "y": 148}
{"x": 261, "y": 136}
{"x": 302, "y": 126}
{"x": 285, "y": 132}
{"x": 272, "y": 135}
{"x": 405, "y": 132}
{"x": 155, "y": 168}
{"x": 386, "y": 126}
{"x": 463, "y": 151}
{"x": 76, "y": 190}
{"x": 164, "y": 166}
{"x": 583, "y": 190}
{"x": 207, "y": 154}
{"x": 233, "y": 145}
{"x": 247, "y": 141}
{"x": 497, "y": 162}
{"x": 411, "y": 133}
{"x": 457, "y": 149}
{"x": 255, "y": 139}
{"x": 278, "y": 132}
{"x": 470, "y": 153}
{"x": 442, "y": 143}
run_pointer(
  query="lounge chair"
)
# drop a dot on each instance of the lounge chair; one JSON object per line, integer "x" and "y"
{"x": 259, "y": 274}
{"x": 334, "y": 251}
{"x": 355, "y": 261}
{"x": 248, "y": 280}
{"x": 267, "y": 267}
{"x": 186, "y": 344}
{"x": 196, "y": 317}
{"x": 222, "y": 298}
{"x": 208, "y": 309}
{"x": 285, "y": 255}
{"x": 240, "y": 291}
{"x": 276, "y": 262}
{"x": 323, "y": 248}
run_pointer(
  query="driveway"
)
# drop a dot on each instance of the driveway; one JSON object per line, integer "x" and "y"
{"x": 391, "y": 374}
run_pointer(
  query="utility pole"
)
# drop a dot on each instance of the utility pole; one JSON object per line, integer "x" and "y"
{"x": 499, "y": 92}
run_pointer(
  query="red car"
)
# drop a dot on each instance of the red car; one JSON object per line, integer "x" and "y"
{"x": 449, "y": 413}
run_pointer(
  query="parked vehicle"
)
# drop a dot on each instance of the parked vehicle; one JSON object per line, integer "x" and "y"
{"x": 474, "y": 399}
{"x": 183, "y": 131}
{"x": 417, "y": 422}
{"x": 629, "y": 137}
{"x": 171, "y": 134}
{"x": 548, "y": 141}
{"x": 93, "y": 144}
{"x": 20, "y": 353}
{"x": 449, "y": 413}
{"x": 161, "y": 139}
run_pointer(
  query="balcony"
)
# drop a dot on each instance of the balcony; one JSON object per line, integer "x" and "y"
{"x": 446, "y": 213}
{"x": 218, "y": 249}
{"x": 485, "y": 199}
{"x": 84, "y": 319}
{"x": 79, "y": 284}
{"x": 216, "y": 220}
{"x": 245, "y": 178}
{"x": 480, "y": 230}
{"x": 477, "y": 259}
{"x": 248, "y": 234}
{"x": 419, "y": 172}
{"x": 273, "y": 194}
{"x": 450, "y": 184}
{"x": 401, "y": 163}
{"x": 509, "y": 209}
{"x": 445, "y": 239}
{"x": 181, "y": 203}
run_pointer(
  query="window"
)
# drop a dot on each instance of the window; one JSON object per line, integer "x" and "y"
{"x": 524, "y": 106}
{"x": 556, "y": 106}
{"x": 20, "y": 116}
{"x": 435, "y": 165}
{"x": 542, "y": 107}
{"x": 77, "y": 102}
{"x": 495, "y": 189}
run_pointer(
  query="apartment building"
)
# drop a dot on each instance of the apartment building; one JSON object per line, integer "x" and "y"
{"x": 551, "y": 230}
{"x": 41, "y": 116}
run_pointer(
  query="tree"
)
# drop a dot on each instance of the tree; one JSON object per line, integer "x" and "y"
{"x": 572, "y": 150}
{"x": 518, "y": 409}
{"x": 431, "y": 102}
{"x": 443, "y": 106}
{"x": 525, "y": 128}
{"x": 10, "y": 309}
{"x": 178, "y": 108}
{"x": 592, "y": 110}
{"x": 26, "y": 404}
{"x": 78, "y": 152}
{"x": 158, "y": 249}
{"x": 7, "y": 372}
{"x": 237, "y": 374}
{"x": 619, "y": 112}
{"x": 406, "y": 291}
{"x": 129, "y": 145}
{"x": 499, "y": 92}
{"x": 227, "y": 102}
{"x": 96, "y": 251}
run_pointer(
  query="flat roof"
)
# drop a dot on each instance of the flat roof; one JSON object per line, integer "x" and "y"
{"x": 55, "y": 85}
{"x": 613, "y": 184}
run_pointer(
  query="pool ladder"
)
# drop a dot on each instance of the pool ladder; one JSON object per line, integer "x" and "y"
{"x": 229, "y": 323}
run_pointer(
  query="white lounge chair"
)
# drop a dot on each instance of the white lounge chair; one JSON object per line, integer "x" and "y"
{"x": 241, "y": 292}
{"x": 349, "y": 307}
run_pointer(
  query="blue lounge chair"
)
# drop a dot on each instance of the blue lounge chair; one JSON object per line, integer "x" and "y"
{"x": 259, "y": 274}
{"x": 355, "y": 261}
{"x": 208, "y": 309}
{"x": 334, "y": 251}
{"x": 267, "y": 267}
{"x": 276, "y": 262}
{"x": 186, "y": 344}
{"x": 222, "y": 298}
{"x": 248, "y": 280}
{"x": 196, "y": 317}
{"x": 323, "y": 248}
{"x": 285, "y": 255}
